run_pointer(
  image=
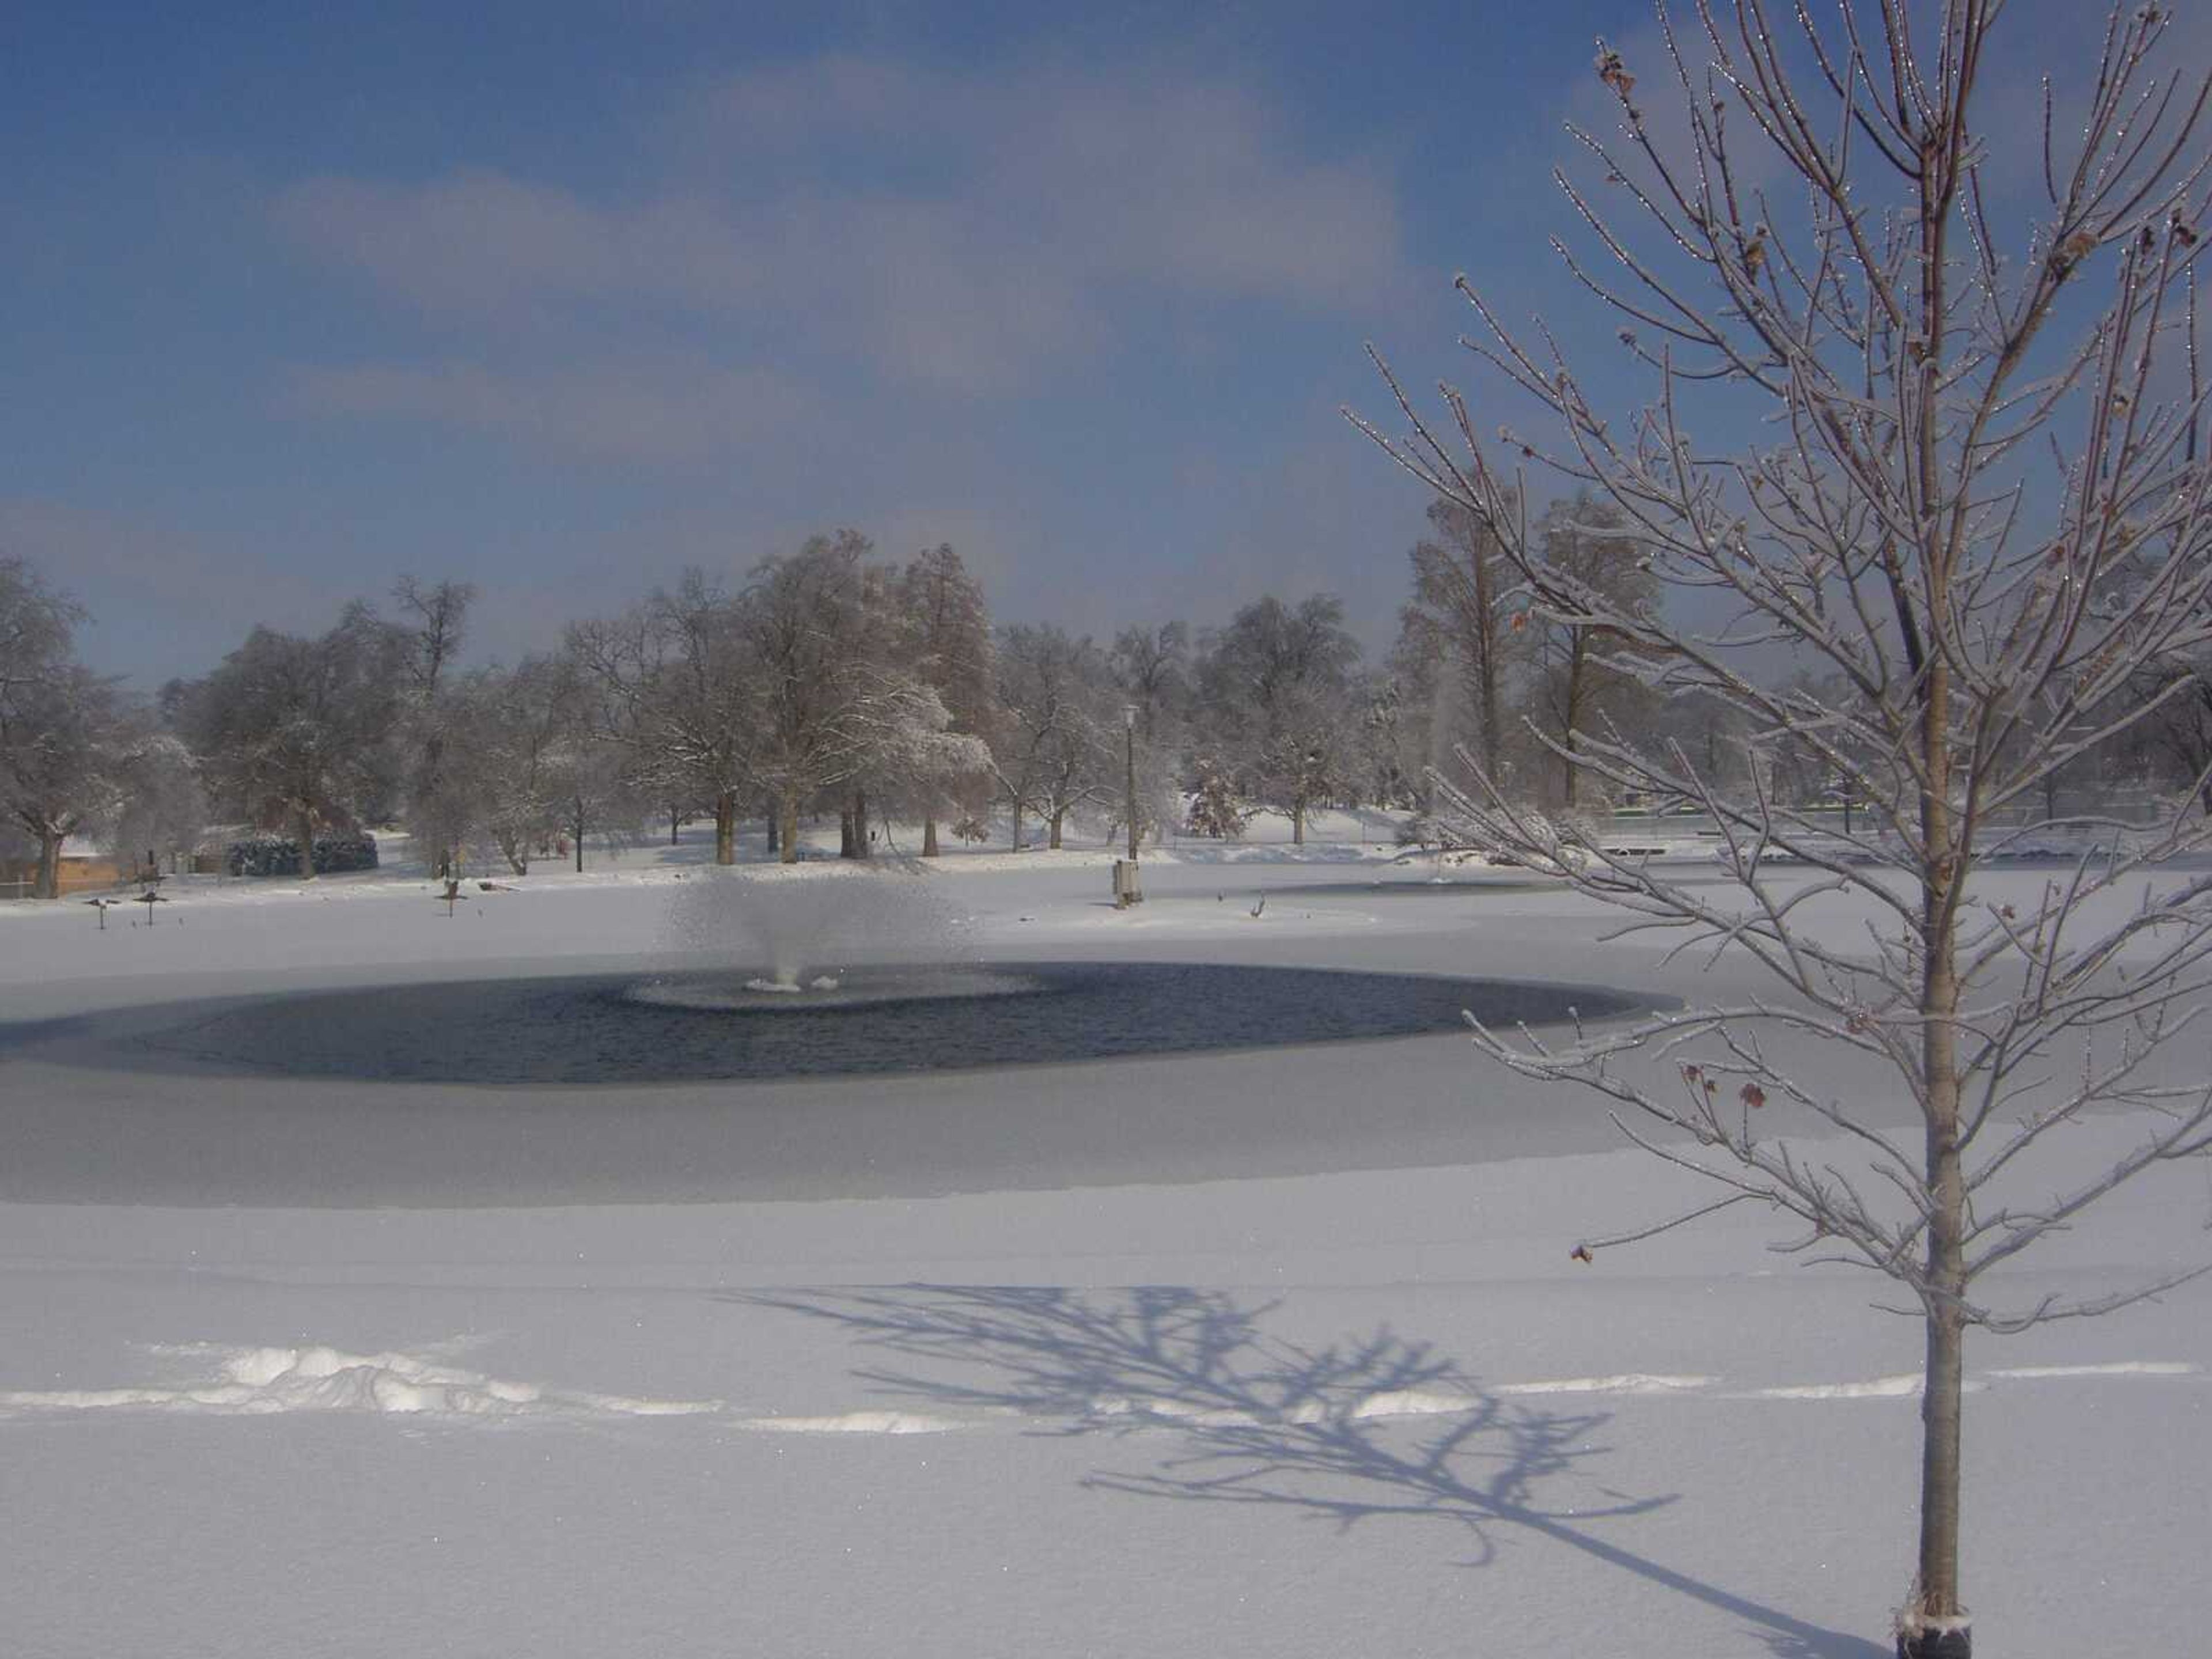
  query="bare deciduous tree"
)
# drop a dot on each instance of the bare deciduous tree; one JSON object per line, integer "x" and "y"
{"x": 433, "y": 627}
{"x": 832, "y": 703}
{"x": 1576, "y": 688}
{"x": 1276, "y": 686}
{"x": 60, "y": 725}
{"x": 1455, "y": 614}
{"x": 1054, "y": 753}
{"x": 294, "y": 732}
{"x": 678, "y": 691}
{"x": 1973, "y": 503}
{"x": 63, "y": 735}
{"x": 944, "y": 642}
{"x": 35, "y": 626}
{"x": 1151, "y": 668}
{"x": 161, "y": 808}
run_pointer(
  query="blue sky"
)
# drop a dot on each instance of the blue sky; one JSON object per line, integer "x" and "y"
{"x": 559, "y": 300}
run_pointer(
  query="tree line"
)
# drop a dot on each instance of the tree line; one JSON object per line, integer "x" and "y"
{"x": 830, "y": 680}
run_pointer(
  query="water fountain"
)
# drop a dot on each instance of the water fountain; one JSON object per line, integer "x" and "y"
{"x": 820, "y": 972}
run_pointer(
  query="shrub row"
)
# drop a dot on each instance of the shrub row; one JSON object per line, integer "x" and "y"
{"x": 268, "y": 855}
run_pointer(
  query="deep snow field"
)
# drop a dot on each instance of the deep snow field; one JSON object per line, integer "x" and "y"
{"x": 1272, "y": 1351}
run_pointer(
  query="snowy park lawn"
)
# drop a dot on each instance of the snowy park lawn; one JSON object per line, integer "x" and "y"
{"x": 1293, "y": 1362}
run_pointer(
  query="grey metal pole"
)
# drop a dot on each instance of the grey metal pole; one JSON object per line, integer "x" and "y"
{"x": 1129, "y": 736}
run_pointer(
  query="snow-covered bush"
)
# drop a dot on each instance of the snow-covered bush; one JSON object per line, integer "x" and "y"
{"x": 270, "y": 855}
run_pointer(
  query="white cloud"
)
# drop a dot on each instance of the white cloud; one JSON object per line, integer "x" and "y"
{"x": 478, "y": 240}
{"x": 663, "y": 413}
{"x": 1037, "y": 221}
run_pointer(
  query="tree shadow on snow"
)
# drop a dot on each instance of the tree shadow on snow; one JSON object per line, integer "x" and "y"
{"x": 1355, "y": 1431}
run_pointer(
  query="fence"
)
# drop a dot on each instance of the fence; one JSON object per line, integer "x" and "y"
{"x": 20, "y": 880}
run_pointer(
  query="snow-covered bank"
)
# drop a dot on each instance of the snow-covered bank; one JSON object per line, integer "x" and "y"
{"x": 1064, "y": 1408}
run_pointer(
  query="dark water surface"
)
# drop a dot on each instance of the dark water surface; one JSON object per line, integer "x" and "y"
{"x": 695, "y": 1027}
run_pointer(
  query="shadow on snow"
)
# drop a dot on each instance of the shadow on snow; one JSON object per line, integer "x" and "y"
{"x": 1263, "y": 1421}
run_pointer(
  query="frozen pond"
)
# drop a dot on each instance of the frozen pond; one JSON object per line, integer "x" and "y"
{"x": 727, "y": 1026}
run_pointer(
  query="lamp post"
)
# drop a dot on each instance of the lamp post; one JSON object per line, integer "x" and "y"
{"x": 1129, "y": 753}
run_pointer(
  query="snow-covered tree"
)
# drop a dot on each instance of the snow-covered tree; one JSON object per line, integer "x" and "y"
{"x": 1215, "y": 810}
{"x": 36, "y": 623}
{"x": 428, "y": 639}
{"x": 1276, "y": 685}
{"x": 526, "y": 723}
{"x": 677, "y": 689}
{"x": 295, "y": 733}
{"x": 1946, "y": 459}
{"x": 831, "y": 702}
{"x": 160, "y": 810}
{"x": 1576, "y": 685}
{"x": 2174, "y": 745}
{"x": 63, "y": 730}
{"x": 917, "y": 758}
{"x": 1054, "y": 753}
{"x": 1151, "y": 671}
{"x": 1457, "y": 620}
{"x": 944, "y": 643}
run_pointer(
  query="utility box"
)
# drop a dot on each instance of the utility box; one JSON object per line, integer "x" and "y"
{"x": 1128, "y": 888}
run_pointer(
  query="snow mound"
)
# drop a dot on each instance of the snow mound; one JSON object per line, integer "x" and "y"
{"x": 1906, "y": 1385}
{"x": 268, "y": 1381}
{"x": 2114, "y": 1367}
{"x": 861, "y": 1422}
{"x": 1626, "y": 1382}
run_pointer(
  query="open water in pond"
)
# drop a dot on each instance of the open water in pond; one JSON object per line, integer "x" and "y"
{"x": 700, "y": 1026}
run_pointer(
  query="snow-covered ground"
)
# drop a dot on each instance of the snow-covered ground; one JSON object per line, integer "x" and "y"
{"x": 1278, "y": 1352}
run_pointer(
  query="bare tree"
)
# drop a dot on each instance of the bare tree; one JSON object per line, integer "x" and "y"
{"x": 161, "y": 808}
{"x": 295, "y": 731}
{"x": 1053, "y": 753}
{"x": 63, "y": 735}
{"x": 36, "y": 623}
{"x": 678, "y": 691}
{"x": 1577, "y": 687}
{"x": 832, "y": 702}
{"x": 433, "y": 626}
{"x": 2176, "y": 743}
{"x": 1276, "y": 685}
{"x": 1456, "y": 612}
{"x": 1977, "y": 504}
{"x": 944, "y": 642}
{"x": 526, "y": 724}
{"x": 1151, "y": 670}
{"x": 61, "y": 725}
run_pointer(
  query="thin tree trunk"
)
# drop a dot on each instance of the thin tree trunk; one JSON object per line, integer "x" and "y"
{"x": 1485, "y": 625}
{"x": 774, "y": 823}
{"x": 1577, "y": 671}
{"x": 1936, "y": 1592}
{"x": 1017, "y": 824}
{"x": 859, "y": 823}
{"x": 725, "y": 826}
{"x": 49, "y": 865}
{"x": 929, "y": 835}
{"x": 1297, "y": 823}
{"x": 303, "y": 826}
{"x": 845, "y": 832}
{"x": 787, "y": 810}
{"x": 1059, "y": 813}
{"x": 675, "y": 824}
{"x": 580, "y": 834}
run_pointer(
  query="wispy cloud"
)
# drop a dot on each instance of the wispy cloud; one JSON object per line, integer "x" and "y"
{"x": 652, "y": 413}
{"x": 926, "y": 231}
